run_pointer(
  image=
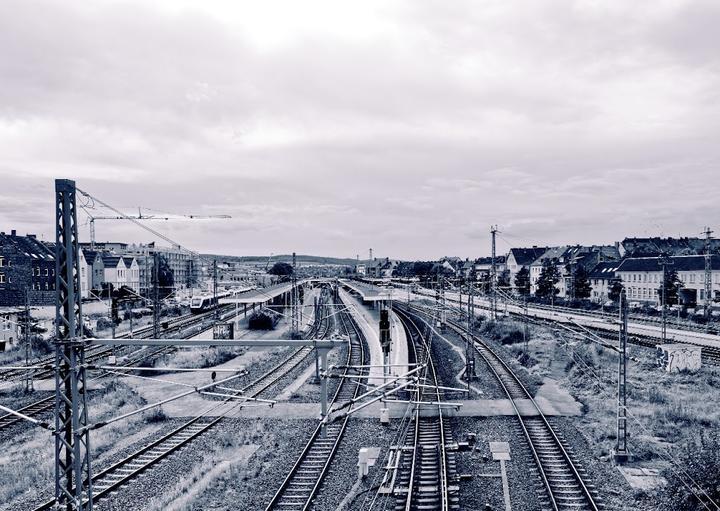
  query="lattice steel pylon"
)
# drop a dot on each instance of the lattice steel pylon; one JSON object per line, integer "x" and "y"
{"x": 294, "y": 302}
{"x": 73, "y": 488}
{"x": 621, "y": 451}
{"x": 708, "y": 273}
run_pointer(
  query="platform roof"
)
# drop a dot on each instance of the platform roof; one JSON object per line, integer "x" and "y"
{"x": 261, "y": 295}
{"x": 368, "y": 292}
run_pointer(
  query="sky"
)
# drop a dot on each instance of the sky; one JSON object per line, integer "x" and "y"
{"x": 332, "y": 127}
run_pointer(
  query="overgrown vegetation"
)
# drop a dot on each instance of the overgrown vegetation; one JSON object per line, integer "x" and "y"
{"x": 263, "y": 320}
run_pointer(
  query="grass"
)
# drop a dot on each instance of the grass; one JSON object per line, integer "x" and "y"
{"x": 669, "y": 413}
{"x": 227, "y": 459}
{"x": 26, "y": 463}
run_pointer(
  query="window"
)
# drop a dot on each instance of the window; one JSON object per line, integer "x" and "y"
{"x": 2, "y": 262}
{"x": 47, "y": 286}
{"x": 47, "y": 272}
{"x": 2, "y": 278}
{"x": 692, "y": 278}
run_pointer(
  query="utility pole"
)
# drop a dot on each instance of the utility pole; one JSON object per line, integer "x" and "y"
{"x": 443, "y": 312}
{"x": 370, "y": 254}
{"x": 469, "y": 357}
{"x": 621, "y": 453}
{"x": 493, "y": 274}
{"x": 526, "y": 336}
{"x": 295, "y": 299}
{"x": 28, "y": 347}
{"x": 156, "y": 295}
{"x": 215, "y": 289}
{"x": 664, "y": 261}
{"x": 73, "y": 482}
{"x": 708, "y": 274}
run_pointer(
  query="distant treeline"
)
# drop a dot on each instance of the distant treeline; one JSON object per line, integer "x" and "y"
{"x": 287, "y": 258}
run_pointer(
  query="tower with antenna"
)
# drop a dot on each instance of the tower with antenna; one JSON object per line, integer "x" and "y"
{"x": 493, "y": 274}
{"x": 708, "y": 272}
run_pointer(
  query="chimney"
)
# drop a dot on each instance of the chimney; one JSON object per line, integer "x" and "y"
{"x": 13, "y": 232}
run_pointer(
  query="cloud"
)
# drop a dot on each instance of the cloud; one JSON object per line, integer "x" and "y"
{"x": 410, "y": 127}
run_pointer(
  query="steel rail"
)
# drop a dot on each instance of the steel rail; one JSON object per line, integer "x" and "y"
{"x": 326, "y": 447}
{"x": 499, "y": 369}
{"x": 150, "y": 455}
{"x": 430, "y": 371}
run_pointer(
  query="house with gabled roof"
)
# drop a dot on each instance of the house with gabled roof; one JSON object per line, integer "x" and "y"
{"x": 27, "y": 266}
{"x": 519, "y": 258}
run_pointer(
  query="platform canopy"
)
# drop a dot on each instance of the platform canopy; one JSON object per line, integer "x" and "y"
{"x": 262, "y": 295}
{"x": 368, "y": 292}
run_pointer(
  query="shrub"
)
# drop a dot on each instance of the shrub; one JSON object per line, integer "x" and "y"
{"x": 155, "y": 415}
{"x": 505, "y": 332}
{"x": 262, "y": 320}
{"x": 698, "y": 461}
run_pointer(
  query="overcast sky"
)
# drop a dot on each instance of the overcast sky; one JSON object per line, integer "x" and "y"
{"x": 332, "y": 127}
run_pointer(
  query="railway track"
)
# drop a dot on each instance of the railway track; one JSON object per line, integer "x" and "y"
{"x": 126, "y": 470}
{"x": 305, "y": 478}
{"x": 710, "y": 355}
{"x": 426, "y": 468}
{"x": 565, "y": 481}
{"x": 44, "y": 405}
{"x": 95, "y": 353}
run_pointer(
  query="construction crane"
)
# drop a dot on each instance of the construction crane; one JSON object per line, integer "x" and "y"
{"x": 140, "y": 216}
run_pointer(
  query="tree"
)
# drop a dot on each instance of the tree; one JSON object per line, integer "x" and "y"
{"x": 616, "y": 288}
{"x": 166, "y": 278}
{"x": 281, "y": 269}
{"x": 503, "y": 280}
{"x": 522, "y": 281}
{"x": 672, "y": 286}
{"x": 549, "y": 277}
{"x": 582, "y": 286}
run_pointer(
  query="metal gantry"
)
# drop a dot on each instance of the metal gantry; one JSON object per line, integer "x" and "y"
{"x": 708, "y": 272}
{"x": 621, "y": 452}
{"x": 493, "y": 274}
{"x": 664, "y": 261}
{"x": 73, "y": 487}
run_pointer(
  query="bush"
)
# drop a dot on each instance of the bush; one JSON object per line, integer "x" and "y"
{"x": 505, "y": 332}
{"x": 698, "y": 461}
{"x": 262, "y": 320}
{"x": 155, "y": 415}
{"x": 656, "y": 396}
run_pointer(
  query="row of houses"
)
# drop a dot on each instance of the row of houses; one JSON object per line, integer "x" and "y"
{"x": 641, "y": 275}
{"x": 27, "y": 271}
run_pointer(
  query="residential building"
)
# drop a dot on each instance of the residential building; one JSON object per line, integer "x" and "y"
{"x": 519, "y": 258}
{"x": 85, "y": 276}
{"x": 602, "y": 277}
{"x": 642, "y": 277}
{"x": 27, "y": 265}
{"x": 114, "y": 247}
{"x": 95, "y": 269}
{"x": 567, "y": 260}
{"x": 185, "y": 266}
{"x": 10, "y": 330}
{"x": 379, "y": 268}
{"x": 121, "y": 271}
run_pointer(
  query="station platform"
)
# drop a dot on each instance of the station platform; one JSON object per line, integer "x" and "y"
{"x": 369, "y": 322}
{"x": 368, "y": 292}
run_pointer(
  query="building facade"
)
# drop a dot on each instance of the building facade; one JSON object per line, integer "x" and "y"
{"x": 10, "y": 330}
{"x": 27, "y": 267}
{"x": 519, "y": 258}
{"x": 642, "y": 277}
